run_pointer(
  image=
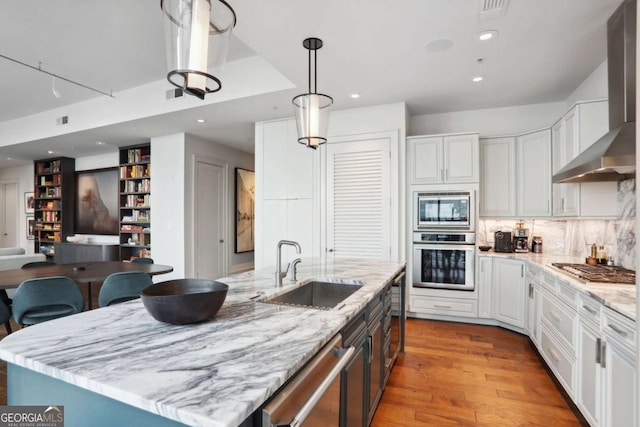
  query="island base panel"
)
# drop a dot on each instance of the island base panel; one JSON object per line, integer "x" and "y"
{"x": 81, "y": 407}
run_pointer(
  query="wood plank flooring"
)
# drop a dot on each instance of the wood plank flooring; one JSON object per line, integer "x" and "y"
{"x": 455, "y": 374}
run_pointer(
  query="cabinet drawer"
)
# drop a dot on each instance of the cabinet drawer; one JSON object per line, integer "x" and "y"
{"x": 589, "y": 309}
{"x": 560, "y": 319}
{"x": 444, "y": 306}
{"x": 549, "y": 281}
{"x": 567, "y": 292}
{"x": 562, "y": 365}
{"x": 619, "y": 328}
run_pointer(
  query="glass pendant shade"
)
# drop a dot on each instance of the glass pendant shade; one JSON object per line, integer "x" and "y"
{"x": 197, "y": 39}
{"x": 312, "y": 118}
{"x": 312, "y": 109}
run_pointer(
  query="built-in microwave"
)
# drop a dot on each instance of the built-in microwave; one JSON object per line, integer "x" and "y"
{"x": 444, "y": 210}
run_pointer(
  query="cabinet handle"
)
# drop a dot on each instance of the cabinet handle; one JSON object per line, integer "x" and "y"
{"x": 370, "y": 338}
{"x": 482, "y": 267}
{"x": 589, "y": 309}
{"x": 530, "y": 290}
{"x": 548, "y": 206}
{"x": 522, "y": 270}
{"x": 553, "y": 354}
{"x": 441, "y": 174}
{"x": 554, "y": 316}
{"x": 618, "y": 330}
{"x": 562, "y": 200}
{"x": 598, "y": 349}
{"x": 603, "y": 354}
{"x": 441, "y": 306}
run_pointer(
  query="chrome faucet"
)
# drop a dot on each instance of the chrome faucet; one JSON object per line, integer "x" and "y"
{"x": 279, "y": 274}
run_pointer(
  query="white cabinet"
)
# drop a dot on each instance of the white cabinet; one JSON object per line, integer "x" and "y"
{"x": 284, "y": 192}
{"x": 516, "y": 175}
{"x": 580, "y": 127}
{"x": 444, "y": 159}
{"x": 497, "y": 178}
{"x": 509, "y": 291}
{"x": 485, "y": 286}
{"x": 588, "y": 392}
{"x": 533, "y": 174}
{"x": 532, "y": 325}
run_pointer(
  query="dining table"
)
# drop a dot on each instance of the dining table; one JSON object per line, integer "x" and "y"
{"x": 81, "y": 272}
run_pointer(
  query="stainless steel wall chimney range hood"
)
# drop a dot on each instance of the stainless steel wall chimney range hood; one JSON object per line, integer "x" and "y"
{"x": 613, "y": 157}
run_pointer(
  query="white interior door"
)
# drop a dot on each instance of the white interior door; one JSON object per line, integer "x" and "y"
{"x": 9, "y": 215}
{"x": 358, "y": 198}
{"x": 210, "y": 220}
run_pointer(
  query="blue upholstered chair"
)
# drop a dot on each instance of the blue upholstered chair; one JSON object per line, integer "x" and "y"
{"x": 121, "y": 287}
{"x": 143, "y": 260}
{"x": 39, "y": 300}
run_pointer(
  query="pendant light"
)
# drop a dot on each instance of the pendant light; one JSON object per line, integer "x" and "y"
{"x": 197, "y": 38}
{"x": 312, "y": 109}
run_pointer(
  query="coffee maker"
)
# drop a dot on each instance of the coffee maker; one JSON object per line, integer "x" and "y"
{"x": 520, "y": 238}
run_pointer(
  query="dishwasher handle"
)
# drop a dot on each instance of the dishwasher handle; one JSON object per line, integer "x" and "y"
{"x": 306, "y": 409}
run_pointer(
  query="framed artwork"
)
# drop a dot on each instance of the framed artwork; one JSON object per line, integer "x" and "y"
{"x": 29, "y": 203}
{"x": 97, "y": 201}
{"x": 245, "y": 210}
{"x": 31, "y": 223}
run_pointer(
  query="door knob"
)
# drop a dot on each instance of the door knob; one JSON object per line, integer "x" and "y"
{"x": 221, "y": 240}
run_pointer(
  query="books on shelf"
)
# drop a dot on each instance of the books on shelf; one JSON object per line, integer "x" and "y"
{"x": 135, "y": 171}
{"x": 48, "y": 167}
{"x": 138, "y": 155}
{"x": 137, "y": 201}
{"x": 143, "y": 186}
{"x": 137, "y": 216}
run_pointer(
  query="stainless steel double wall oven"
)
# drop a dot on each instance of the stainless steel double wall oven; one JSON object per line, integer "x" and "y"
{"x": 444, "y": 240}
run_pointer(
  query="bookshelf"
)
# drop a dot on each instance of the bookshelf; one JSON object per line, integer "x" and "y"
{"x": 135, "y": 209}
{"x": 54, "y": 198}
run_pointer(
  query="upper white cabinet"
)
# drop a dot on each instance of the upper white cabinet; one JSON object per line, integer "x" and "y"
{"x": 287, "y": 166}
{"x": 516, "y": 175}
{"x": 577, "y": 130}
{"x": 444, "y": 159}
{"x": 497, "y": 180}
{"x": 533, "y": 178}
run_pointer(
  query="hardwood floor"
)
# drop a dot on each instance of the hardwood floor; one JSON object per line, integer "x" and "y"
{"x": 455, "y": 374}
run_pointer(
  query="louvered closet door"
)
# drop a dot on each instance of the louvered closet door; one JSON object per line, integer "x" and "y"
{"x": 358, "y": 199}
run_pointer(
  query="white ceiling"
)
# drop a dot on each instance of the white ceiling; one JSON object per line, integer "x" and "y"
{"x": 376, "y": 48}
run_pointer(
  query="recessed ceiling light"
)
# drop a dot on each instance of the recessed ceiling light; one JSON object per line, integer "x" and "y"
{"x": 99, "y": 142}
{"x": 439, "y": 45}
{"x": 487, "y": 35}
{"x": 355, "y": 95}
{"x": 51, "y": 152}
{"x": 9, "y": 158}
{"x": 200, "y": 120}
{"x": 477, "y": 79}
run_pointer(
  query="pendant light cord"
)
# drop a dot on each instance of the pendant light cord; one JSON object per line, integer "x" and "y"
{"x": 39, "y": 68}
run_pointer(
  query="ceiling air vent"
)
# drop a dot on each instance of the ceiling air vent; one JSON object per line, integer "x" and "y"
{"x": 492, "y": 8}
{"x": 62, "y": 120}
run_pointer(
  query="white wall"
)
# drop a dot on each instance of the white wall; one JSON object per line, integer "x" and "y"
{"x": 489, "y": 122}
{"x": 593, "y": 87}
{"x": 23, "y": 177}
{"x": 167, "y": 203}
{"x": 233, "y": 158}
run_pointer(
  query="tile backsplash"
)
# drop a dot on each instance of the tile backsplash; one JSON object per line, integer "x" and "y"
{"x": 571, "y": 237}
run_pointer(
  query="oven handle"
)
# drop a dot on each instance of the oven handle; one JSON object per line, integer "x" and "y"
{"x": 446, "y": 247}
{"x": 310, "y": 404}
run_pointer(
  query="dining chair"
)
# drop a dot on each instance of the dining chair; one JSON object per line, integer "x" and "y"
{"x": 5, "y": 316}
{"x": 121, "y": 287}
{"x": 142, "y": 260}
{"x": 46, "y": 298}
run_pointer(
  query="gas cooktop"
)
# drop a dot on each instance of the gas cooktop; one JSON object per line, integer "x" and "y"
{"x": 598, "y": 273}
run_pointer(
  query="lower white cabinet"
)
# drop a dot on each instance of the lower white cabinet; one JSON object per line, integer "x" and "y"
{"x": 588, "y": 391}
{"x": 509, "y": 291}
{"x": 532, "y": 326}
{"x": 485, "y": 286}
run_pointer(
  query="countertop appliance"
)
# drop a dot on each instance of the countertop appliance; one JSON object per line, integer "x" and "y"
{"x": 451, "y": 210}
{"x": 521, "y": 240}
{"x": 502, "y": 241}
{"x": 613, "y": 157}
{"x": 444, "y": 260}
{"x": 536, "y": 244}
{"x": 597, "y": 273}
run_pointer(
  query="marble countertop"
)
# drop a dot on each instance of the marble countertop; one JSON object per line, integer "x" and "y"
{"x": 618, "y": 297}
{"x": 215, "y": 373}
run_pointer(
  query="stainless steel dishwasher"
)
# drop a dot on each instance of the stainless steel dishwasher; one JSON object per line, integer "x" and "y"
{"x": 312, "y": 397}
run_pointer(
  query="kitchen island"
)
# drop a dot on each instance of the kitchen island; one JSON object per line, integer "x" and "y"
{"x": 119, "y": 366}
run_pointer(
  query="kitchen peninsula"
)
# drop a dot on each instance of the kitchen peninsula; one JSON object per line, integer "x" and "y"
{"x": 119, "y": 366}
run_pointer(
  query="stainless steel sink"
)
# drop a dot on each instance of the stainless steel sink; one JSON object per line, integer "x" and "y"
{"x": 318, "y": 294}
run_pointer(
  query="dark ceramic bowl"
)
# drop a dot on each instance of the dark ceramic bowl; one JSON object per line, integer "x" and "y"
{"x": 484, "y": 248}
{"x": 184, "y": 301}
